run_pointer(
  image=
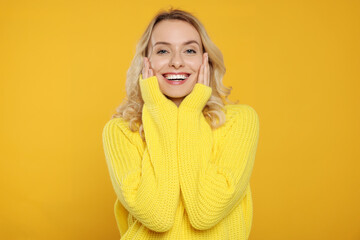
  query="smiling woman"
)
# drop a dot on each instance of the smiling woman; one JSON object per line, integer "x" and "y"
{"x": 179, "y": 154}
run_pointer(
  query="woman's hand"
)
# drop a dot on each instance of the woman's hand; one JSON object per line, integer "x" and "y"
{"x": 147, "y": 71}
{"x": 204, "y": 73}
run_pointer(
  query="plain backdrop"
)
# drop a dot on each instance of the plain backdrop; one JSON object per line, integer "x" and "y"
{"x": 63, "y": 69}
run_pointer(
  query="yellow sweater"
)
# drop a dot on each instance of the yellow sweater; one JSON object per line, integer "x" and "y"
{"x": 186, "y": 181}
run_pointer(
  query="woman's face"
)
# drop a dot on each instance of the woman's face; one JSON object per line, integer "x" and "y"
{"x": 175, "y": 48}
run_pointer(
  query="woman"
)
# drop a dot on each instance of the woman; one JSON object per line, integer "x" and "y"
{"x": 180, "y": 156}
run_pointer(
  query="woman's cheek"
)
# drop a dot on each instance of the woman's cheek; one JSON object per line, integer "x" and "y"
{"x": 195, "y": 64}
{"x": 158, "y": 64}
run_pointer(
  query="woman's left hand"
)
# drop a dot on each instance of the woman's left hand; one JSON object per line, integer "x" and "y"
{"x": 204, "y": 71}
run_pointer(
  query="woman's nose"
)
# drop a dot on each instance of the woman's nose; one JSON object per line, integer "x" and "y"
{"x": 176, "y": 61}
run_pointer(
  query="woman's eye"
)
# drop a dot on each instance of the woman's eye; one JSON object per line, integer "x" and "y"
{"x": 161, "y": 52}
{"x": 189, "y": 51}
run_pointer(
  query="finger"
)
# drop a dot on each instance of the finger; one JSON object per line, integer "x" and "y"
{"x": 208, "y": 79}
{"x": 143, "y": 68}
{"x": 206, "y": 72}
{"x": 201, "y": 74}
{"x": 201, "y": 71}
{"x": 150, "y": 71}
{"x": 146, "y": 70}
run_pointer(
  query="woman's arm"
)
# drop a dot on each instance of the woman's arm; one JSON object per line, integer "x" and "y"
{"x": 212, "y": 184}
{"x": 147, "y": 183}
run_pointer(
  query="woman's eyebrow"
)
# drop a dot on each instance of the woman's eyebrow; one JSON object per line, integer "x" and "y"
{"x": 185, "y": 43}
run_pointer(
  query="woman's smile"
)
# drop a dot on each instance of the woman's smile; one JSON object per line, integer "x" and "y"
{"x": 176, "y": 78}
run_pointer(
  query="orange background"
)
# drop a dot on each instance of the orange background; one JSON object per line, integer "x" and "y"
{"x": 63, "y": 68}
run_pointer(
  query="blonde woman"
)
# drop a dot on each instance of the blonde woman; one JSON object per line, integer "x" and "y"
{"x": 179, "y": 153}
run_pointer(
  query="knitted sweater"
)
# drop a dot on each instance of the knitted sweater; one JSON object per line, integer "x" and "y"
{"x": 186, "y": 180}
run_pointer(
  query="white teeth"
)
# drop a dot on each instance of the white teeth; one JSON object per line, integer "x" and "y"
{"x": 178, "y": 76}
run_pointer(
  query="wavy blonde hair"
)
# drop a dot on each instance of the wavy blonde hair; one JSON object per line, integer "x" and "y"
{"x": 214, "y": 112}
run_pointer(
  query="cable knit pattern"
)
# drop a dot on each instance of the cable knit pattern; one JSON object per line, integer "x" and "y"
{"x": 186, "y": 181}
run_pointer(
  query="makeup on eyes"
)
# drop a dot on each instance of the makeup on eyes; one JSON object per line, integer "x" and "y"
{"x": 193, "y": 47}
{"x": 190, "y": 51}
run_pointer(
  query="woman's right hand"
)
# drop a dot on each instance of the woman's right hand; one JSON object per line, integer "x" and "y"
{"x": 150, "y": 88}
{"x": 147, "y": 71}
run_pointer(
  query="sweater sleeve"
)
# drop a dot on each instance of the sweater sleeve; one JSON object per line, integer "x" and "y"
{"x": 146, "y": 183}
{"x": 214, "y": 177}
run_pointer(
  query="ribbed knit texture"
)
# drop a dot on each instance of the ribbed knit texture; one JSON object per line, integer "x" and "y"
{"x": 186, "y": 181}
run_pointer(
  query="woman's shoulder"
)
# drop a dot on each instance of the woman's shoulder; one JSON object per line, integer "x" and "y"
{"x": 118, "y": 127}
{"x": 239, "y": 116}
{"x": 234, "y": 111}
{"x": 118, "y": 124}
{"x": 116, "y": 121}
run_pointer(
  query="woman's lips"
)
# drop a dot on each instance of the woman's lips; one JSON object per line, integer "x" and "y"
{"x": 174, "y": 82}
{"x": 176, "y": 73}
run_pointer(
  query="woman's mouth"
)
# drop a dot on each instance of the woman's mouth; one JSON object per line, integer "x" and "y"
{"x": 176, "y": 78}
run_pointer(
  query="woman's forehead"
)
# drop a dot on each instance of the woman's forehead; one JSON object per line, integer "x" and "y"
{"x": 174, "y": 32}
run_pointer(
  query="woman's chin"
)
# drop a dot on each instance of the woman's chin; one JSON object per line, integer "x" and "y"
{"x": 172, "y": 97}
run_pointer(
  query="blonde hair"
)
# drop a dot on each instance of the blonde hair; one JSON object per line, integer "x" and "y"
{"x": 214, "y": 111}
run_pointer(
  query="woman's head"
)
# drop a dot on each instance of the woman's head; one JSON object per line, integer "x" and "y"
{"x": 175, "y": 27}
{"x": 162, "y": 22}
{"x": 175, "y": 47}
